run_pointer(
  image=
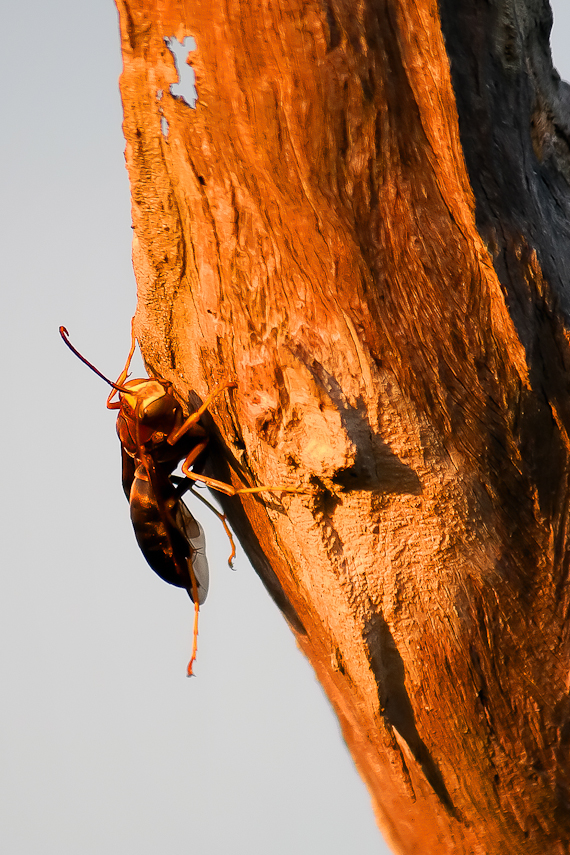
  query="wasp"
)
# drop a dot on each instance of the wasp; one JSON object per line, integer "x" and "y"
{"x": 155, "y": 438}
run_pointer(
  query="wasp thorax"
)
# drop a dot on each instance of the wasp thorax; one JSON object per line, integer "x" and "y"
{"x": 150, "y": 400}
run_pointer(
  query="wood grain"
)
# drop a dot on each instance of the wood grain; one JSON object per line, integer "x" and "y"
{"x": 363, "y": 222}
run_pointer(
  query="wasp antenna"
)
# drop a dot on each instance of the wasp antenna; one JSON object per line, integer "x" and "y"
{"x": 65, "y": 336}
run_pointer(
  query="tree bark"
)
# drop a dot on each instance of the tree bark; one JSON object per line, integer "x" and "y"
{"x": 364, "y": 222}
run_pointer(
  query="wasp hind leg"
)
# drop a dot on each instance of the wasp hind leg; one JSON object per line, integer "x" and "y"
{"x": 189, "y": 672}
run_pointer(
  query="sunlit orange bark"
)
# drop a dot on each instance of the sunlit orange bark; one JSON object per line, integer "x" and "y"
{"x": 371, "y": 240}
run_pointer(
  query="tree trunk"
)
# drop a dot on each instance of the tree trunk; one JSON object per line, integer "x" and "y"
{"x": 363, "y": 222}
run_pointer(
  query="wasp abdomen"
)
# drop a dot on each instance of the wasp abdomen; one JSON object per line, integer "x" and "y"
{"x": 171, "y": 540}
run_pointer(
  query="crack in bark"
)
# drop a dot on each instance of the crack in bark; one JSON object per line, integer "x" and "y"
{"x": 395, "y": 705}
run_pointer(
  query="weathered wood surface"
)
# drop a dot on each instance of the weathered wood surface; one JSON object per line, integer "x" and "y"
{"x": 380, "y": 261}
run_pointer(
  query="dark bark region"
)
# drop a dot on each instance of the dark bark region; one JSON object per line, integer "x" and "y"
{"x": 514, "y": 121}
{"x": 364, "y": 223}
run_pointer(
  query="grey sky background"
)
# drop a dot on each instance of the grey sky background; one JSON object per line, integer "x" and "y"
{"x": 105, "y": 746}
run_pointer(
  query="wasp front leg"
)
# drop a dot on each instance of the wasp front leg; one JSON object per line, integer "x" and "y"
{"x": 194, "y": 417}
{"x": 221, "y": 486}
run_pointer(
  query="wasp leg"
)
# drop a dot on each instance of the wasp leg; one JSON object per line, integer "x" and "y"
{"x": 194, "y": 583}
{"x": 224, "y": 521}
{"x": 149, "y": 464}
{"x": 274, "y": 488}
{"x": 184, "y": 484}
{"x": 230, "y": 490}
{"x": 194, "y": 455}
{"x": 221, "y": 486}
{"x": 124, "y": 373}
{"x": 189, "y": 672}
{"x": 195, "y": 417}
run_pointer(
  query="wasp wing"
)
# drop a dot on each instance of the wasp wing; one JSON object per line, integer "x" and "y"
{"x": 194, "y": 533}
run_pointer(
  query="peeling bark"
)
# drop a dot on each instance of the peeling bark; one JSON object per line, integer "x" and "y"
{"x": 364, "y": 222}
